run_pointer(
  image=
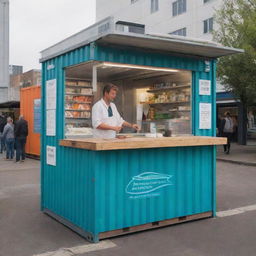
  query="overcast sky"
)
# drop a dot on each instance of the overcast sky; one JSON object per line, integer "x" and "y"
{"x": 38, "y": 24}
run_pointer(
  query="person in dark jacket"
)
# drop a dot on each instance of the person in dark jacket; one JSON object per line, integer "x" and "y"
{"x": 2, "y": 125}
{"x": 21, "y": 133}
{"x": 227, "y": 131}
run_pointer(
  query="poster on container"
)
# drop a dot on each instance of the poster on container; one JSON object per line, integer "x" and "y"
{"x": 51, "y": 94}
{"x": 204, "y": 87}
{"x": 205, "y": 116}
{"x": 37, "y": 115}
{"x": 51, "y": 122}
{"x": 51, "y": 107}
{"x": 51, "y": 155}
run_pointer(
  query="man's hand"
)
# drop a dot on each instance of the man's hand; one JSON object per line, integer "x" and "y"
{"x": 117, "y": 128}
{"x": 136, "y": 127}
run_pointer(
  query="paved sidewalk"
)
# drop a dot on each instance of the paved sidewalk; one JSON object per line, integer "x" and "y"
{"x": 239, "y": 154}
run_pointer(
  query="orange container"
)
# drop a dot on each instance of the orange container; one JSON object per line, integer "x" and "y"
{"x": 30, "y": 108}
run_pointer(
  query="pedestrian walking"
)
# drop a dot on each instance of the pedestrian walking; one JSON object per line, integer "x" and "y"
{"x": 227, "y": 130}
{"x": 2, "y": 125}
{"x": 21, "y": 133}
{"x": 8, "y": 136}
{"x": 251, "y": 119}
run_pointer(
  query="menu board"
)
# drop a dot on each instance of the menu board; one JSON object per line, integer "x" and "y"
{"x": 205, "y": 116}
{"x": 51, "y": 122}
{"x": 51, "y": 107}
{"x": 51, "y": 155}
{"x": 51, "y": 94}
{"x": 204, "y": 87}
{"x": 37, "y": 115}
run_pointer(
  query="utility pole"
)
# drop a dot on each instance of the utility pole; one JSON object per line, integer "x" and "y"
{"x": 4, "y": 50}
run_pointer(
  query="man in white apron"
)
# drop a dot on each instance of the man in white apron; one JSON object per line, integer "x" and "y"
{"x": 106, "y": 120}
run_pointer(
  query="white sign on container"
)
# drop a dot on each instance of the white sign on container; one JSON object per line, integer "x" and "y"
{"x": 51, "y": 155}
{"x": 51, "y": 94}
{"x": 51, "y": 122}
{"x": 205, "y": 116}
{"x": 204, "y": 87}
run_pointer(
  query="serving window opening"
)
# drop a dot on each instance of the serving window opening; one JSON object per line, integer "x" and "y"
{"x": 157, "y": 99}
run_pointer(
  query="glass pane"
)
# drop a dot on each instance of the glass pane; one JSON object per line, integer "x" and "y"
{"x": 180, "y": 7}
{"x": 210, "y": 24}
{"x": 184, "y": 5}
{"x": 205, "y": 26}
{"x": 156, "y": 5}
{"x": 174, "y": 9}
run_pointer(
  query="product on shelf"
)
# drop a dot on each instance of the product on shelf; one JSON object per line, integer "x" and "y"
{"x": 86, "y": 99}
{"x": 77, "y": 114}
{"x": 77, "y": 106}
{"x": 71, "y": 83}
{"x": 86, "y": 90}
{"x": 151, "y": 113}
{"x": 84, "y": 83}
{"x": 85, "y": 131}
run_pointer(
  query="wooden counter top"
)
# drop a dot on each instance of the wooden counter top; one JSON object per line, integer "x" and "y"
{"x": 142, "y": 142}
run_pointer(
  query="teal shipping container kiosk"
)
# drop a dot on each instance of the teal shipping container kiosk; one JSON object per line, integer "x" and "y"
{"x": 103, "y": 188}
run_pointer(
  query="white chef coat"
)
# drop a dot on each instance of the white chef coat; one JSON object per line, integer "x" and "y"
{"x": 100, "y": 115}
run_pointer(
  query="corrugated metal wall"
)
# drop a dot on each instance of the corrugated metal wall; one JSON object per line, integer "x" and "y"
{"x": 191, "y": 192}
{"x": 27, "y": 97}
{"x": 72, "y": 187}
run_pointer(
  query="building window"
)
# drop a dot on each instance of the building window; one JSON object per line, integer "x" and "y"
{"x": 154, "y": 6}
{"x": 206, "y": 1}
{"x": 124, "y": 26}
{"x": 208, "y": 25}
{"x": 180, "y": 32}
{"x": 179, "y": 7}
{"x": 134, "y": 1}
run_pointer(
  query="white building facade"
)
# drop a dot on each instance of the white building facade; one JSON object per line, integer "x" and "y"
{"x": 192, "y": 18}
{"x": 4, "y": 50}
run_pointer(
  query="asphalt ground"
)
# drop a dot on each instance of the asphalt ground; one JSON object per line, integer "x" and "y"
{"x": 26, "y": 231}
{"x": 240, "y": 154}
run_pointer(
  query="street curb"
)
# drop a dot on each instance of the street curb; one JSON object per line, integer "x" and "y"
{"x": 236, "y": 162}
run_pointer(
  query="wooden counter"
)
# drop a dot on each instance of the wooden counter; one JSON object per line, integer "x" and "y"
{"x": 142, "y": 142}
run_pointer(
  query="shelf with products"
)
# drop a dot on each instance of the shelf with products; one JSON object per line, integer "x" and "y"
{"x": 179, "y": 110}
{"x": 79, "y": 118}
{"x": 166, "y": 103}
{"x": 162, "y": 120}
{"x": 167, "y": 108}
{"x": 78, "y": 110}
{"x": 156, "y": 120}
{"x": 78, "y": 106}
{"x": 76, "y": 89}
{"x": 167, "y": 93}
{"x": 79, "y": 86}
{"x": 79, "y": 99}
{"x": 77, "y": 102}
{"x": 77, "y": 114}
{"x": 159, "y": 90}
{"x": 78, "y": 82}
{"x": 78, "y": 94}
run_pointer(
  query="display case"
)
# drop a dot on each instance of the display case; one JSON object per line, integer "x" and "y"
{"x": 167, "y": 109}
{"x": 78, "y": 105}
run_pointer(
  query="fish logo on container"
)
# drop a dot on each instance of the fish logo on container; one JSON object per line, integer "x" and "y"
{"x": 148, "y": 182}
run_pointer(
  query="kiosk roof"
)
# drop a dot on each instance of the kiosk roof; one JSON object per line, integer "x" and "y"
{"x": 104, "y": 32}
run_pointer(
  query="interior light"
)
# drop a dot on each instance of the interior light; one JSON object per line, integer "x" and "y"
{"x": 109, "y": 64}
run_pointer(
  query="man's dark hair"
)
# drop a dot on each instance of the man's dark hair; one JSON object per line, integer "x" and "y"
{"x": 227, "y": 114}
{"x": 108, "y": 87}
